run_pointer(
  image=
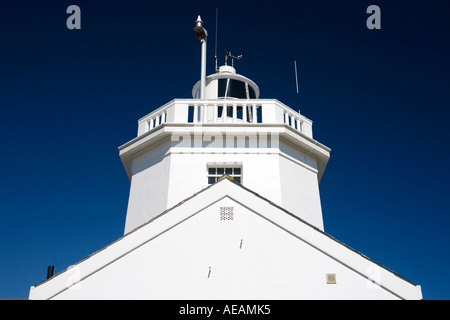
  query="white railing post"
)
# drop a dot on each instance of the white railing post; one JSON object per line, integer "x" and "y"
{"x": 195, "y": 120}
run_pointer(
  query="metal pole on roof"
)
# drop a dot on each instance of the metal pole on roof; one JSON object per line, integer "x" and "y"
{"x": 202, "y": 34}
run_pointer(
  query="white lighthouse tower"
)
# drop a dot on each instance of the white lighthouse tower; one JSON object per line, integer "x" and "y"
{"x": 224, "y": 203}
{"x": 185, "y": 145}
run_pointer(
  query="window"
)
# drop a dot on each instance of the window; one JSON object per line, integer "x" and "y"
{"x": 231, "y": 88}
{"x": 222, "y": 88}
{"x": 252, "y": 94}
{"x": 214, "y": 173}
{"x": 236, "y": 89}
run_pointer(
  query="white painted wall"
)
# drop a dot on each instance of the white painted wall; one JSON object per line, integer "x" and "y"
{"x": 300, "y": 192}
{"x": 299, "y": 184}
{"x": 271, "y": 264}
{"x": 149, "y": 185}
{"x": 169, "y": 172}
{"x": 189, "y": 173}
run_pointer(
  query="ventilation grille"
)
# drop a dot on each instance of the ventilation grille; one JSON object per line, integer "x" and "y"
{"x": 331, "y": 278}
{"x": 226, "y": 213}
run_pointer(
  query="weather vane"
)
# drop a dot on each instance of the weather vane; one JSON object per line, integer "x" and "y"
{"x": 228, "y": 54}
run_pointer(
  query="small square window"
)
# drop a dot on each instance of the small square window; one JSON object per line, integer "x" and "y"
{"x": 229, "y": 171}
{"x": 212, "y": 171}
{"x": 220, "y": 171}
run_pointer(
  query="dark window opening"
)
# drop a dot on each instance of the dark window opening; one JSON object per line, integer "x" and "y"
{"x": 230, "y": 111}
{"x": 236, "y": 89}
{"x": 222, "y": 88}
{"x": 251, "y": 92}
{"x": 259, "y": 114}
{"x": 239, "y": 112}
{"x": 191, "y": 114}
{"x": 231, "y": 88}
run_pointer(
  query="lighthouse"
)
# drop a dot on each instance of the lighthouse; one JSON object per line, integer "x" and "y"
{"x": 224, "y": 203}
{"x": 187, "y": 144}
{"x": 225, "y": 129}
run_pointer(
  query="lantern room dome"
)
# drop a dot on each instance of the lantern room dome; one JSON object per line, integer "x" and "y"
{"x": 227, "y": 84}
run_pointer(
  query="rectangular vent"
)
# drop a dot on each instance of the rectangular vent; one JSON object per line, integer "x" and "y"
{"x": 226, "y": 213}
{"x": 331, "y": 278}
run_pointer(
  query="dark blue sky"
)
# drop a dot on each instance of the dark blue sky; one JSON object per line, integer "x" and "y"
{"x": 378, "y": 98}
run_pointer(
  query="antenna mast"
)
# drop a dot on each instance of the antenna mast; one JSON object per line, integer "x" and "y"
{"x": 296, "y": 79}
{"x": 215, "y": 44}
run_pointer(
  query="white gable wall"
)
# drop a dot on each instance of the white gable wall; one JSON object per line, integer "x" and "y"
{"x": 272, "y": 264}
{"x": 171, "y": 257}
